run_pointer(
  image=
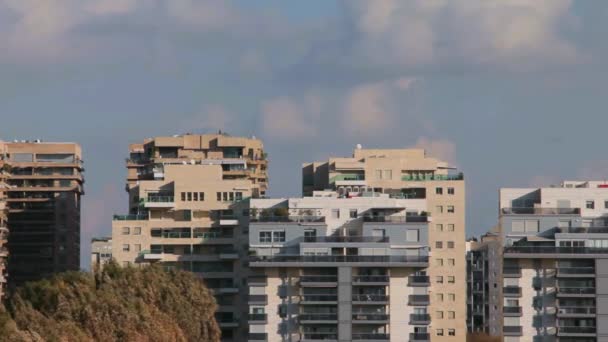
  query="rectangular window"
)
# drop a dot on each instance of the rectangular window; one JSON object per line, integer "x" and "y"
{"x": 450, "y": 191}
{"x": 518, "y": 226}
{"x": 126, "y": 230}
{"x": 532, "y": 226}
{"x": 450, "y": 244}
{"x": 189, "y": 194}
{"x": 605, "y": 204}
{"x": 451, "y": 262}
{"x": 201, "y": 196}
{"x": 450, "y": 227}
{"x": 450, "y": 209}
{"x": 388, "y": 174}
{"x": 451, "y": 297}
{"x": 183, "y": 197}
{"x": 278, "y": 236}
{"x": 335, "y": 213}
{"x": 353, "y": 213}
{"x": 439, "y": 227}
{"x": 451, "y": 279}
{"x": 378, "y": 174}
{"x": 265, "y": 237}
{"x": 225, "y": 196}
{"x": 310, "y": 235}
{"x": 439, "y": 314}
{"x": 451, "y": 314}
{"x": 438, "y": 244}
{"x": 125, "y": 248}
{"x": 238, "y": 196}
{"x": 231, "y": 196}
{"x": 451, "y": 332}
{"x": 137, "y": 231}
{"x": 439, "y": 332}
{"x": 590, "y": 204}
{"x": 412, "y": 235}
{"x": 439, "y": 279}
{"x": 439, "y": 191}
{"x": 439, "y": 262}
{"x": 195, "y": 196}
{"x": 219, "y": 196}
{"x": 439, "y": 297}
{"x": 439, "y": 209}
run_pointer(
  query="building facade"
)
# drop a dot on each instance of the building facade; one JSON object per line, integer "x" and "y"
{"x": 188, "y": 200}
{"x": 3, "y": 224}
{"x": 411, "y": 175}
{"x": 101, "y": 252}
{"x": 44, "y": 185}
{"x": 555, "y": 262}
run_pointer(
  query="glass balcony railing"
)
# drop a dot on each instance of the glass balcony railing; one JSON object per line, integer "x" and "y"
{"x": 576, "y": 290}
{"x": 296, "y": 219}
{"x": 555, "y": 250}
{"x": 347, "y": 177}
{"x": 318, "y": 279}
{"x": 319, "y": 298}
{"x": 576, "y": 310}
{"x": 540, "y": 211}
{"x": 397, "y": 219}
{"x": 131, "y": 217}
{"x": 371, "y": 336}
{"x": 363, "y": 316}
{"x": 319, "y": 336}
{"x": 370, "y": 298}
{"x": 161, "y": 199}
{"x": 576, "y": 330}
{"x": 431, "y": 177}
{"x": 371, "y": 279}
{"x": 380, "y": 259}
{"x": 419, "y": 280}
{"x": 252, "y": 317}
{"x": 317, "y": 317}
{"x": 575, "y": 270}
{"x": 345, "y": 239}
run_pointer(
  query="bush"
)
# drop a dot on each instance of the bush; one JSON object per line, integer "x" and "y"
{"x": 115, "y": 304}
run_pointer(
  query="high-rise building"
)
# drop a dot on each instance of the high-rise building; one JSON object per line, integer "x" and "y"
{"x": 555, "y": 262}
{"x": 101, "y": 252}
{"x": 44, "y": 184}
{"x": 188, "y": 197}
{"x": 3, "y": 224}
{"x": 376, "y": 251}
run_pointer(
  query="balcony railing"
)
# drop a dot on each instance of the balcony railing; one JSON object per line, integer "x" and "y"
{"x": 511, "y": 272}
{"x": 576, "y": 330}
{"x": 541, "y": 211}
{"x": 420, "y": 280}
{"x": 415, "y": 337}
{"x": 257, "y": 317}
{"x": 347, "y": 177}
{"x": 576, "y": 290}
{"x": 161, "y": 199}
{"x": 345, "y": 239}
{"x": 318, "y": 279}
{"x": 512, "y": 330}
{"x": 371, "y": 279}
{"x": 319, "y": 298}
{"x": 511, "y": 291}
{"x": 370, "y": 298}
{"x": 317, "y": 317}
{"x": 511, "y": 310}
{"x": 428, "y": 177}
{"x": 555, "y": 250}
{"x": 397, "y": 219}
{"x": 582, "y": 230}
{"x": 362, "y": 316}
{"x": 320, "y": 336}
{"x": 420, "y": 319}
{"x": 343, "y": 258}
{"x": 257, "y": 337}
{"x": 418, "y": 299}
{"x": 370, "y": 336}
{"x": 258, "y": 299}
{"x": 131, "y": 217}
{"x": 576, "y": 270}
{"x": 295, "y": 219}
{"x": 576, "y": 310}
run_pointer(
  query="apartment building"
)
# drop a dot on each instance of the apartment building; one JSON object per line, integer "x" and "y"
{"x": 188, "y": 197}
{"x": 555, "y": 262}
{"x": 43, "y": 188}
{"x": 101, "y": 252}
{"x": 3, "y": 225}
{"x": 410, "y": 174}
{"x": 484, "y": 258}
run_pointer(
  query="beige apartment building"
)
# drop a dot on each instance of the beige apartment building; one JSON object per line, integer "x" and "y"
{"x": 188, "y": 195}
{"x": 3, "y": 225}
{"x": 43, "y": 187}
{"x": 429, "y": 188}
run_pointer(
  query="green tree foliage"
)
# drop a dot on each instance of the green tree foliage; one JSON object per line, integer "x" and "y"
{"x": 115, "y": 304}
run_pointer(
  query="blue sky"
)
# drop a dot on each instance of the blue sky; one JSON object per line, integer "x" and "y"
{"x": 512, "y": 92}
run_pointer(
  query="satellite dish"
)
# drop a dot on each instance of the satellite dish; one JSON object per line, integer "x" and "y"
{"x": 359, "y": 146}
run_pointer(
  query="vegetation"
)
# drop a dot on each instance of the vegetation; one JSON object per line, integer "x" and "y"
{"x": 116, "y": 304}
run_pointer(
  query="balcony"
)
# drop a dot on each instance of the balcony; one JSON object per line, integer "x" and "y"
{"x": 370, "y": 299}
{"x": 511, "y": 311}
{"x": 227, "y": 322}
{"x": 257, "y": 318}
{"x": 576, "y": 311}
{"x": 551, "y": 252}
{"x": 398, "y": 219}
{"x": 576, "y": 331}
{"x": 151, "y": 254}
{"x": 346, "y": 239}
{"x": 371, "y": 280}
{"x": 541, "y": 211}
{"x": 318, "y": 280}
{"x": 511, "y": 272}
{"x": 511, "y": 291}
{"x": 512, "y": 331}
{"x": 132, "y": 217}
{"x": 228, "y": 255}
{"x": 288, "y": 219}
{"x": 419, "y": 281}
{"x": 419, "y": 337}
{"x": 257, "y": 280}
{"x": 226, "y": 220}
{"x": 257, "y": 337}
{"x": 420, "y": 319}
{"x": 418, "y": 300}
{"x": 334, "y": 260}
{"x": 371, "y": 337}
{"x": 575, "y": 291}
{"x": 314, "y": 318}
{"x": 258, "y": 299}
{"x": 370, "y": 318}
{"x": 319, "y": 336}
{"x": 575, "y": 272}
{"x": 319, "y": 299}
{"x": 160, "y": 202}
{"x": 348, "y": 179}
{"x": 431, "y": 177}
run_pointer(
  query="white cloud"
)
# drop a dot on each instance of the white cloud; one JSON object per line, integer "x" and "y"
{"x": 288, "y": 119}
{"x": 211, "y": 118}
{"x": 441, "y": 149}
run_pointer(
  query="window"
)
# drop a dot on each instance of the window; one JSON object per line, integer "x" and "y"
{"x": 183, "y": 197}
{"x": 439, "y": 279}
{"x": 353, "y": 213}
{"x": 451, "y": 297}
{"x": 450, "y": 191}
{"x": 439, "y": 332}
{"x": 231, "y": 196}
{"x": 126, "y": 230}
{"x": 451, "y": 279}
{"x": 278, "y": 236}
{"x": 201, "y": 196}
{"x": 439, "y": 297}
{"x": 451, "y": 314}
{"x": 439, "y": 262}
{"x": 451, "y": 262}
{"x": 439, "y": 191}
{"x": 265, "y": 236}
{"x": 532, "y": 226}
{"x": 439, "y": 227}
{"x": 219, "y": 196}
{"x": 590, "y": 204}
{"x": 439, "y": 314}
{"x": 450, "y": 209}
{"x": 439, "y": 244}
{"x": 518, "y": 226}
{"x": 412, "y": 235}
{"x": 450, "y": 227}
{"x": 605, "y": 204}
{"x": 125, "y": 248}
{"x": 451, "y": 332}
{"x": 380, "y": 233}
{"x": 238, "y": 196}
{"x": 388, "y": 174}
{"x": 310, "y": 235}
{"x": 138, "y": 248}
{"x": 225, "y": 196}
{"x": 450, "y": 244}
{"x": 335, "y": 213}
{"x": 195, "y": 196}
{"x": 137, "y": 231}
{"x": 378, "y": 174}
{"x": 439, "y": 209}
